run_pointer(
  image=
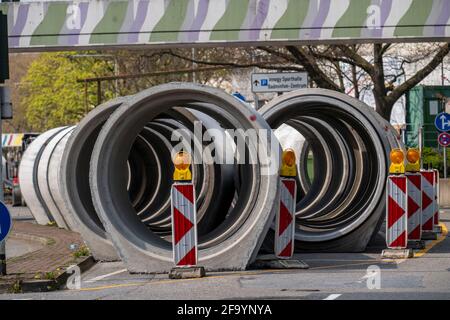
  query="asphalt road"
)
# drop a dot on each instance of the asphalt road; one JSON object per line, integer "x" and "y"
{"x": 330, "y": 276}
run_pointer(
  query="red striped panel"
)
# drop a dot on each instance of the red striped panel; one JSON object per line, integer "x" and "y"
{"x": 415, "y": 234}
{"x": 287, "y": 252}
{"x": 182, "y": 225}
{"x": 413, "y": 207}
{"x": 428, "y": 225}
{"x": 186, "y": 190}
{"x": 189, "y": 259}
{"x": 285, "y": 218}
{"x": 395, "y": 212}
{"x": 400, "y": 242}
{"x": 400, "y": 182}
{"x": 415, "y": 180}
{"x": 290, "y": 185}
{"x": 429, "y": 176}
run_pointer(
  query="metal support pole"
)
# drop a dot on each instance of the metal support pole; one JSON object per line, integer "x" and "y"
{"x": 86, "y": 104}
{"x": 445, "y": 162}
{"x": 99, "y": 92}
{"x": 2, "y": 258}
{"x": 194, "y": 66}
{"x": 420, "y": 146}
{"x": 255, "y": 97}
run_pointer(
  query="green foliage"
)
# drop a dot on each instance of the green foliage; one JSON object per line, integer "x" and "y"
{"x": 50, "y": 91}
{"x": 82, "y": 252}
{"x": 435, "y": 159}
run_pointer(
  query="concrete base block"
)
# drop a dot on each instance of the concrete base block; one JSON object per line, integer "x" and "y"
{"x": 187, "y": 272}
{"x": 279, "y": 264}
{"x": 429, "y": 235}
{"x": 438, "y": 229}
{"x": 397, "y": 253}
{"x": 416, "y": 244}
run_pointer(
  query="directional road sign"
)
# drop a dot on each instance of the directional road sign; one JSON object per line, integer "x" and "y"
{"x": 279, "y": 82}
{"x": 5, "y": 222}
{"x": 442, "y": 121}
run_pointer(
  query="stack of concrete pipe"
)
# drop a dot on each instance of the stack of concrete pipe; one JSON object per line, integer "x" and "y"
{"x": 109, "y": 177}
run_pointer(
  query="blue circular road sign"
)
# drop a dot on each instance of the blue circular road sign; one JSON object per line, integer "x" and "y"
{"x": 5, "y": 221}
{"x": 444, "y": 139}
{"x": 442, "y": 121}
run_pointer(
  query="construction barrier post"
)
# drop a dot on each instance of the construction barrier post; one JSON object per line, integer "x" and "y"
{"x": 285, "y": 219}
{"x": 436, "y": 226}
{"x": 428, "y": 206}
{"x": 397, "y": 209}
{"x": 284, "y": 238}
{"x": 414, "y": 191}
{"x": 414, "y": 188}
{"x": 184, "y": 224}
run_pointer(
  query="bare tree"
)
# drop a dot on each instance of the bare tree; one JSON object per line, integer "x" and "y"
{"x": 354, "y": 69}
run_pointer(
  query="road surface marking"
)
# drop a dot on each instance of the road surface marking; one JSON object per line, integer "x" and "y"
{"x": 429, "y": 246}
{"x": 106, "y": 276}
{"x": 349, "y": 264}
{"x": 333, "y": 296}
{"x": 114, "y": 286}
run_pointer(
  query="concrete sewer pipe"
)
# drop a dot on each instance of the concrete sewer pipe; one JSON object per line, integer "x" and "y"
{"x": 115, "y": 172}
{"x": 343, "y": 206}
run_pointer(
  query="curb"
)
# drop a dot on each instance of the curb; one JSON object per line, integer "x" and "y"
{"x": 58, "y": 283}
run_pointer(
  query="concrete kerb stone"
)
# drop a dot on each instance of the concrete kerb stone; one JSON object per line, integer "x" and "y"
{"x": 44, "y": 285}
{"x": 397, "y": 254}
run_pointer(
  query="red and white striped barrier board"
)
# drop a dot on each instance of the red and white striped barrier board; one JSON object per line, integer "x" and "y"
{"x": 285, "y": 220}
{"x": 414, "y": 206}
{"x": 436, "y": 198}
{"x": 428, "y": 199}
{"x": 184, "y": 226}
{"x": 397, "y": 208}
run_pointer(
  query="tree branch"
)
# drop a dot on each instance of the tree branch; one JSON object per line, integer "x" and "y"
{"x": 419, "y": 76}
{"x": 314, "y": 71}
{"x": 262, "y": 65}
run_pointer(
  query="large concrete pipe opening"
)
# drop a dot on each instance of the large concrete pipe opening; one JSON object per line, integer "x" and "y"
{"x": 149, "y": 178}
{"x": 233, "y": 234}
{"x": 343, "y": 203}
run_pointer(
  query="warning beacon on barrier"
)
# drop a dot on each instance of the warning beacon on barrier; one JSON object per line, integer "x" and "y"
{"x": 397, "y": 162}
{"x": 182, "y": 163}
{"x": 413, "y": 160}
{"x": 184, "y": 221}
{"x": 288, "y": 166}
{"x": 285, "y": 219}
{"x": 397, "y": 209}
{"x": 414, "y": 194}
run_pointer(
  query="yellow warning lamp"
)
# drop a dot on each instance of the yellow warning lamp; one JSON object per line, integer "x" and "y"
{"x": 182, "y": 163}
{"x": 413, "y": 158}
{"x": 288, "y": 166}
{"x": 397, "y": 161}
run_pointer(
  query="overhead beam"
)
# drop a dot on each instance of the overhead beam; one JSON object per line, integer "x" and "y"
{"x": 84, "y": 24}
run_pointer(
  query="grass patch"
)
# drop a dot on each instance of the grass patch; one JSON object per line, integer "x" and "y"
{"x": 83, "y": 251}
